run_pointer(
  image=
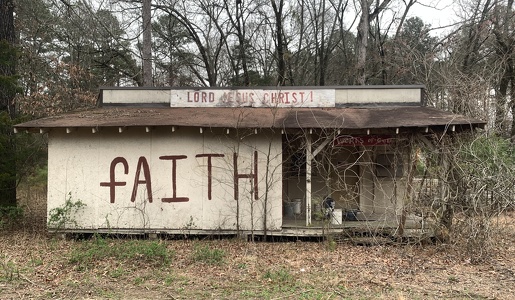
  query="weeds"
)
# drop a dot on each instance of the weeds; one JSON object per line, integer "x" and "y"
{"x": 330, "y": 243}
{"x": 10, "y": 270}
{"x": 282, "y": 275}
{"x": 207, "y": 255}
{"x": 60, "y": 217}
{"x": 10, "y": 216}
{"x": 134, "y": 250}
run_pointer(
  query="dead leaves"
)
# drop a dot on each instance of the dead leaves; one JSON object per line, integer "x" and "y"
{"x": 255, "y": 270}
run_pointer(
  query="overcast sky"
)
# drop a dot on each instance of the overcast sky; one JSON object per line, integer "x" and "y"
{"x": 438, "y": 13}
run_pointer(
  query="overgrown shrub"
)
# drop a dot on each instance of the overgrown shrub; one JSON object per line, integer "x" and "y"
{"x": 10, "y": 216}
{"x": 475, "y": 177}
{"x": 62, "y": 216}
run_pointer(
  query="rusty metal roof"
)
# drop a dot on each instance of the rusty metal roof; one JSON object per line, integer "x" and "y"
{"x": 284, "y": 118}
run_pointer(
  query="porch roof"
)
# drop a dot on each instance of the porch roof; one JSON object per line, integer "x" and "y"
{"x": 345, "y": 118}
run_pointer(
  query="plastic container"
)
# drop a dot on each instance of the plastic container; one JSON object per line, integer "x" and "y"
{"x": 288, "y": 209}
{"x": 337, "y": 216}
{"x": 352, "y": 215}
{"x": 297, "y": 203}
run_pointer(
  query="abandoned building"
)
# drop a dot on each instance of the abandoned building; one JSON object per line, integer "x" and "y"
{"x": 262, "y": 160}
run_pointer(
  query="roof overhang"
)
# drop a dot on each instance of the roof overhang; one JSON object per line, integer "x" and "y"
{"x": 350, "y": 108}
{"x": 370, "y": 118}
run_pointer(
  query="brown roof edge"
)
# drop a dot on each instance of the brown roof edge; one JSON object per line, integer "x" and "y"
{"x": 283, "y": 118}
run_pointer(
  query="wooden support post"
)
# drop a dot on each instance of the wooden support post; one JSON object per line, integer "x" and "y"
{"x": 309, "y": 159}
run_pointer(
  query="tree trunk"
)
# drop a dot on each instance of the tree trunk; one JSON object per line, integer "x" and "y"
{"x": 504, "y": 43}
{"x": 240, "y": 27}
{"x": 8, "y": 87}
{"x": 7, "y": 56}
{"x": 512, "y": 101}
{"x": 362, "y": 42}
{"x": 147, "y": 44}
{"x": 281, "y": 63}
{"x": 362, "y": 36}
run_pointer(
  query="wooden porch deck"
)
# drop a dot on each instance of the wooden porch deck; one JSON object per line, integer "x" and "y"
{"x": 414, "y": 227}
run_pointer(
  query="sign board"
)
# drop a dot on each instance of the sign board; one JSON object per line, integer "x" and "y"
{"x": 284, "y": 97}
{"x": 362, "y": 140}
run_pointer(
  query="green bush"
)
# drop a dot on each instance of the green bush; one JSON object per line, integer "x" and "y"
{"x": 10, "y": 216}
{"x": 60, "y": 217}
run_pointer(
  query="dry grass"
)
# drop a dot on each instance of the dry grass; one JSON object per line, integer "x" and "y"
{"x": 34, "y": 265}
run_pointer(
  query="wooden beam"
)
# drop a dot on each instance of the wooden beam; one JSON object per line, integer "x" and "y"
{"x": 309, "y": 159}
{"x": 322, "y": 145}
{"x": 426, "y": 142}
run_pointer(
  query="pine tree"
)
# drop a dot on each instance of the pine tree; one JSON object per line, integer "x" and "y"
{"x": 8, "y": 88}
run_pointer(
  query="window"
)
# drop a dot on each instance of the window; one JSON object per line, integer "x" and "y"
{"x": 388, "y": 165}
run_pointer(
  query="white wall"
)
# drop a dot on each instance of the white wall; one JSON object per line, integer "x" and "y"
{"x": 381, "y": 198}
{"x": 80, "y": 161}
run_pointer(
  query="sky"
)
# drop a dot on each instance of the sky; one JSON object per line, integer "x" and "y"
{"x": 438, "y": 13}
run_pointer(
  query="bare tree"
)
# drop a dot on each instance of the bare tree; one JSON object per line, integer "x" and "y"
{"x": 204, "y": 36}
{"x": 505, "y": 89}
{"x": 280, "y": 44}
{"x": 147, "y": 42}
{"x": 368, "y": 13}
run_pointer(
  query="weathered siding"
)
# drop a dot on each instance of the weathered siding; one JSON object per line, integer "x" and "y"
{"x": 80, "y": 165}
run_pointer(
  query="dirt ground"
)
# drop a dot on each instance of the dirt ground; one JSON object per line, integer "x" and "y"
{"x": 34, "y": 265}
